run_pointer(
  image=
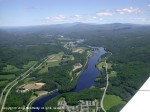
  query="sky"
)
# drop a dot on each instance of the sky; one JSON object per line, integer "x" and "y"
{"x": 45, "y": 12}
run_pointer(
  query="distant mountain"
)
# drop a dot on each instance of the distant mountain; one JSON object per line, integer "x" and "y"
{"x": 72, "y": 30}
{"x": 71, "y": 27}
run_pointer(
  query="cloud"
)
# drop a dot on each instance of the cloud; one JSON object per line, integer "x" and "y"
{"x": 104, "y": 14}
{"x": 76, "y": 18}
{"x": 129, "y": 10}
{"x": 63, "y": 19}
{"x": 59, "y": 18}
{"x": 76, "y": 15}
{"x": 148, "y": 5}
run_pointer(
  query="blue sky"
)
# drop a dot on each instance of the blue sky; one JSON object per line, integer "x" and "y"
{"x": 41, "y": 12}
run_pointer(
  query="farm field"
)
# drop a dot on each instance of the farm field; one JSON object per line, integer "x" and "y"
{"x": 111, "y": 101}
{"x": 55, "y": 60}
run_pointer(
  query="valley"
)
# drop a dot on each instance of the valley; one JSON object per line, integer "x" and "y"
{"x": 59, "y": 71}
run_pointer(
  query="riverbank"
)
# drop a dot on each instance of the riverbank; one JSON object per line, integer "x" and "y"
{"x": 89, "y": 54}
{"x": 85, "y": 82}
{"x": 37, "y": 98}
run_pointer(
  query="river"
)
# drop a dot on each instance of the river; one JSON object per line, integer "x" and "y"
{"x": 86, "y": 80}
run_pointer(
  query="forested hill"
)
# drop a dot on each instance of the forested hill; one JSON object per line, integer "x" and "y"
{"x": 44, "y": 34}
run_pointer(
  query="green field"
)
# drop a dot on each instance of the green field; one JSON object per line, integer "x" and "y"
{"x": 55, "y": 60}
{"x": 29, "y": 64}
{"x": 44, "y": 68}
{"x": 113, "y": 74}
{"x": 100, "y": 66}
{"x": 111, "y": 101}
{"x": 6, "y": 77}
{"x": 10, "y": 68}
{"x": 109, "y": 66}
{"x": 27, "y": 80}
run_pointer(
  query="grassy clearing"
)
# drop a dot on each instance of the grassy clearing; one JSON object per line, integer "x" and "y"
{"x": 6, "y": 77}
{"x": 79, "y": 49}
{"x": 28, "y": 80}
{"x": 55, "y": 57}
{"x": 29, "y": 64}
{"x": 10, "y": 68}
{"x": 109, "y": 66}
{"x": 44, "y": 68}
{"x": 111, "y": 100}
{"x": 68, "y": 57}
{"x": 113, "y": 74}
{"x": 101, "y": 65}
{"x": 55, "y": 60}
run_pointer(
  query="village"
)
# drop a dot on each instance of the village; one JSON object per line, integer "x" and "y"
{"x": 83, "y": 106}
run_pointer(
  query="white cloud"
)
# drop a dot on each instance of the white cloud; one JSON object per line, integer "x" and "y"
{"x": 129, "y": 10}
{"x": 76, "y": 18}
{"x": 104, "y": 14}
{"x": 63, "y": 19}
{"x": 59, "y": 18}
{"x": 148, "y": 5}
{"x": 77, "y": 15}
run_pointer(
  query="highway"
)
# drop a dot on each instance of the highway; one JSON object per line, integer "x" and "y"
{"x": 9, "y": 86}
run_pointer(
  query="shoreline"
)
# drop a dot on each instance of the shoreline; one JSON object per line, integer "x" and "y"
{"x": 39, "y": 97}
{"x": 78, "y": 75}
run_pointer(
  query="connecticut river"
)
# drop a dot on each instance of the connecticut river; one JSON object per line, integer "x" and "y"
{"x": 86, "y": 80}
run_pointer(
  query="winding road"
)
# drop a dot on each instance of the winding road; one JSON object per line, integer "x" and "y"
{"x": 107, "y": 84}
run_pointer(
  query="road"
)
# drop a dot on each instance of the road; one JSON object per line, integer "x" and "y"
{"x": 15, "y": 82}
{"x": 9, "y": 84}
{"x": 107, "y": 83}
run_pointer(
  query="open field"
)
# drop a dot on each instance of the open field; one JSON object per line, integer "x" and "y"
{"x": 79, "y": 49}
{"x": 40, "y": 93}
{"x": 101, "y": 65}
{"x": 32, "y": 86}
{"x": 113, "y": 74}
{"x": 111, "y": 100}
{"x": 29, "y": 79}
{"x": 55, "y": 60}
{"x": 45, "y": 66}
{"x": 6, "y": 77}
{"x": 10, "y": 68}
{"x": 109, "y": 65}
{"x": 29, "y": 64}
